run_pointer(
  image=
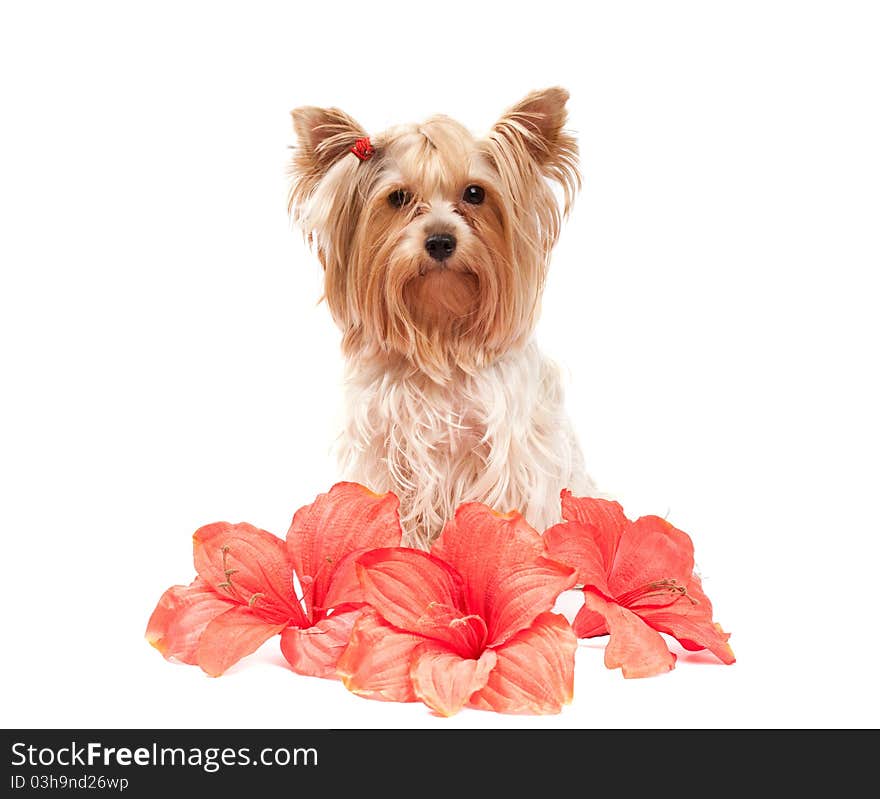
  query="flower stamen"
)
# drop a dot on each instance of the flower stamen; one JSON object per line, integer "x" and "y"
{"x": 665, "y": 587}
{"x": 227, "y": 585}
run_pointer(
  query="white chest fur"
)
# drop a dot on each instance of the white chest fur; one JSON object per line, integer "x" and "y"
{"x": 500, "y": 436}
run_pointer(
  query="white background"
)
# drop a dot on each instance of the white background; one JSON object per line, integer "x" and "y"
{"x": 713, "y": 300}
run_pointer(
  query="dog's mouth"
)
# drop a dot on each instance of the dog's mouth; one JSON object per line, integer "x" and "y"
{"x": 441, "y": 291}
{"x": 441, "y": 267}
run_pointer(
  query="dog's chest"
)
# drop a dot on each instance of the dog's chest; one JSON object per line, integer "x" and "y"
{"x": 500, "y": 437}
{"x": 422, "y": 427}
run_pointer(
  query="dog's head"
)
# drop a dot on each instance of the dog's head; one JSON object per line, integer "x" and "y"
{"x": 435, "y": 243}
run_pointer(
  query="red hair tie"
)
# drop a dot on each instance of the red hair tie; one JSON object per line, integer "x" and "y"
{"x": 363, "y": 149}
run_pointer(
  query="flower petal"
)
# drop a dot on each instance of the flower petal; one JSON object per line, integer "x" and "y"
{"x": 650, "y": 549}
{"x": 181, "y": 616}
{"x": 535, "y": 670}
{"x": 231, "y": 636}
{"x": 403, "y": 585}
{"x": 347, "y": 519}
{"x": 633, "y": 646}
{"x": 344, "y": 590}
{"x": 604, "y": 515}
{"x": 376, "y": 663}
{"x": 689, "y": 621}
{"x": 445, "y": 681}
{"x": 314, "y": 651}
{"x": 250, "y": 567}
{"x": 577, "y": 544}
{"x": 507, "y": 579}
{"x": 589, "y": 624}
{"x": 465, "y": 634}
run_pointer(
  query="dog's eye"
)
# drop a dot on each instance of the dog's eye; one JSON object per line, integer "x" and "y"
{"x": 474, "y": 195}
{"x": 399, "y": 198}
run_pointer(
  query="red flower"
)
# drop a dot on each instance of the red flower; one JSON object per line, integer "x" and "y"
{"x": 323, "y": 542}
{"x": 467, "y": 623}
{"x": 245, "y": 591}
{"x": 639, "y": 581}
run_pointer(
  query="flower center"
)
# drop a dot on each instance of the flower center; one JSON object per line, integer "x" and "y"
{"x": 657, "y": 592}
{"x": 465, "y": 633}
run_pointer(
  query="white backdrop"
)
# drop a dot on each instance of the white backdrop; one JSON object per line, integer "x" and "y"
{"x": 713, "y": 300}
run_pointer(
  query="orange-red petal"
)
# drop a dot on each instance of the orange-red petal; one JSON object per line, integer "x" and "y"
{"x": 534, "y": 672}
{"x": 577, "y": 544}
{"x": 508, "y": 580}
{"x": 650, "y": 549}
{"x": 376, "y": 663}
{"x": 444, "y": 681}
{"x": 463, "y": 633}
{"x": 231, "y": 636}
{"x": 344, "y": 590}
{"x": 633, "y": 646}
{"x": 689, "y": 621}
{"x": 403, "y": 585}
{"x": 180, "y": 617}
{"x": 347, "y": 519}
{"x": 249, "y": 566}
{"x": 606, "y": 516}
{"x": 315, "y": 651}
{"x": 589, "y": 624}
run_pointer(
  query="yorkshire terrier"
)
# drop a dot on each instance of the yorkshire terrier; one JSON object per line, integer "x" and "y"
{"x": 435, "y": 246}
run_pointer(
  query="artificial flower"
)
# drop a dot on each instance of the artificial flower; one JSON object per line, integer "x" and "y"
{"x": 638, "y": 582}
{"x": 323, "y": 542}
{"x": 466, "y": 624}
{"x": 246, "y": 588}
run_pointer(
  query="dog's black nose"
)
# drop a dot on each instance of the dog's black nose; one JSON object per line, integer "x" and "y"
{"x": 440, "y": 246}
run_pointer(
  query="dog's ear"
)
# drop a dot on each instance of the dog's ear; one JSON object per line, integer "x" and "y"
{"x": 323, "y": 135}
{"x": 534, "y": 127}
{"x": 538, "y": 120}
{"x": 323, "y": 198}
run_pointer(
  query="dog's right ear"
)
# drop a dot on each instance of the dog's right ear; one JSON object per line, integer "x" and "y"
{"x": 324, "y": 136}
{"x": 323, "y": 195}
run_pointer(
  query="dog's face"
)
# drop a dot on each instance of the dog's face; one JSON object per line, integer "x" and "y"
{"x": 435, "y": 247}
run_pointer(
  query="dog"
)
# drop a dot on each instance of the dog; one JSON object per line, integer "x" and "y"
{"x": 435, "y": 246}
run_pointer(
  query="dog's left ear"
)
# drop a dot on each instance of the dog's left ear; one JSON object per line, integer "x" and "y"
{"x": 538, "y": 120}
{"x": 534, "y": 128}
